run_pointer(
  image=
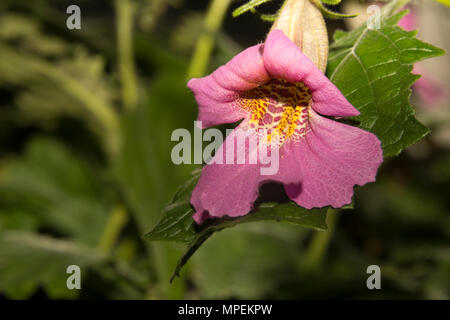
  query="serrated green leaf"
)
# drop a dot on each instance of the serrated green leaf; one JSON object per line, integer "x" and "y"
{"x": 372, "y": 68}
{"x": 178, "y": 225}
{"x": 288, "y": 212}
{"x": 248, "y": 6}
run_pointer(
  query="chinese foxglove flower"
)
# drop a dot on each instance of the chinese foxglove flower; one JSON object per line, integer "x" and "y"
{"x": 275, "y": 87}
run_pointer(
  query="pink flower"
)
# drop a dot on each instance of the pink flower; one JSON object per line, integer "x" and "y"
{"x": 275, "y": 87}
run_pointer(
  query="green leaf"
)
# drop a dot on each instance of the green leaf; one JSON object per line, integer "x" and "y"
{"x": 288, "y": 212}
{"x": 372, "y": 68}
{"x": 178, "y": 225}
{"x": 338, "y": 34}
{"x": 52, "y": 183}
{"x": 248, "y": 6}
{"x": 28, "y": 261}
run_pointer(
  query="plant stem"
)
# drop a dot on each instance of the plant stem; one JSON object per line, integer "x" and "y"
{"x": 116, "y": 221}
{"x": 125, "y": 10}
{"x": 205, "y": 44}
{"x": 319, "y": 242}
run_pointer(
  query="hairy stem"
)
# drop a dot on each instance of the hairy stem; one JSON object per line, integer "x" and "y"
{"x": 125, "y": 10}
{"x": 205, "y": 43}
{"x": 394, "y": 6}
{"x": 319, "y": 242}
{"x": 116, "y": 221}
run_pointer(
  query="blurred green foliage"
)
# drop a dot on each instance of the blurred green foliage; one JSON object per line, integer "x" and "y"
{"x": 82, "y": 179}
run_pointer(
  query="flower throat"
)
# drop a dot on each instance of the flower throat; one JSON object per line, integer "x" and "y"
{"x": 278, "y": 107}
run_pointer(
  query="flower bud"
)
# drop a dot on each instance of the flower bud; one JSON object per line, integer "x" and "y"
{"x": 303, "y": 23}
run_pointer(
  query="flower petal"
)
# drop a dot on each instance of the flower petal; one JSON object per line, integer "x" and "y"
{"x": 225, "y": 190}
{"x": 231, "y": 189}
{"x": 244, "y": 72}
{"x": 333, "y": 157}
{"x": 216, "y": 93}
{"x": 283, "y": 59}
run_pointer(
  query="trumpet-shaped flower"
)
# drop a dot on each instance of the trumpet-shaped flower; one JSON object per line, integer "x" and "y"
{"x": 275, "y": 87}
